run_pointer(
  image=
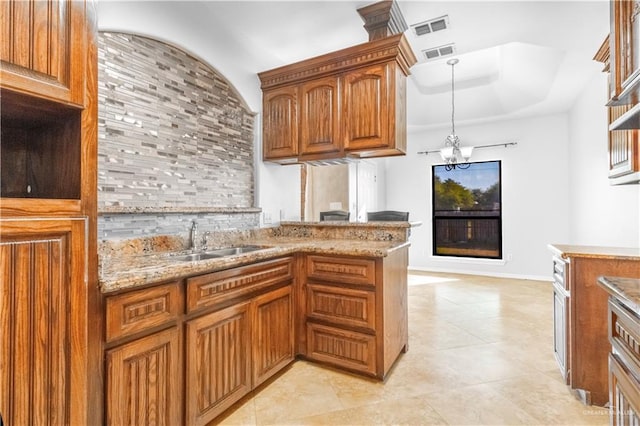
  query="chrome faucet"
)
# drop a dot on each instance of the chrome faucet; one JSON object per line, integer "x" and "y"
{"x": 194, "y": 236}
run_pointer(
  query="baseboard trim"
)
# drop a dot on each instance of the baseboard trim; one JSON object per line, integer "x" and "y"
{"x": 547, "y": 279}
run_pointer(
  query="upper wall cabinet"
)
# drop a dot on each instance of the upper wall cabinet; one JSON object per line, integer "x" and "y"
{"x": 624, "y": 78}
{"x": 347, "y": 103}
{"x": 623, "y": 147}
{"x": 44, "y": 55}
{"x": 625, "y": 55}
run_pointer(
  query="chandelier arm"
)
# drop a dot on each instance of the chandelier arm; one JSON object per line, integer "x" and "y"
{"x": 506, "y": 144}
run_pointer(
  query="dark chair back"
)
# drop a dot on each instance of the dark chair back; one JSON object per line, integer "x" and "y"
{"x": 334, "y": 215}
{"x": 388, "y": 215}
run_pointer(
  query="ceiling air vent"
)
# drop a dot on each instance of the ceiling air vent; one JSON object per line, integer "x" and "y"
{"x": 439, "y": 52}
{"x": 431, "y": 26}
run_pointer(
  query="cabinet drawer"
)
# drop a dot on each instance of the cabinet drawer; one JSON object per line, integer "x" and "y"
{"x": 131, "y": 312}
{"x": 559, "y": 273}
{"x": 211, "y": 289}
{"x": 343, "y": 348}
{"x": 343, "y": 306}
{"x": 342, "y": 270}
{"x": 625, "y": 335}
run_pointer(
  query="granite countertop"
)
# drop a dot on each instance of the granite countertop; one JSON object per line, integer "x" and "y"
{"x": 625, "y": 289}
{"x": 566, "y": 251}
{"x": 119, "y": 272}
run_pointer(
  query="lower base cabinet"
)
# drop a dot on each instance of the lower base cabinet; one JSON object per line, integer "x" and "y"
{"x": 142, "y": 377}
{"x": 218, "y": 362}
{"x": 156, "y": 336}
{"x": 356, "y": 311}
{"x": 183, "y": 352}
{"x": 624, "y": 363}
{"x": 233, "y": 350}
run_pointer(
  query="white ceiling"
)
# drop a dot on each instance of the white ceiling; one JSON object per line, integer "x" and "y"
{"x": 517, "y": 58}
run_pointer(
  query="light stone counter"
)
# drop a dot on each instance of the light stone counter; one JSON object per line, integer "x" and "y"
{"x": 627, "y": 290}
{"x": 595, "y": 252}
{"x": 138, "y": 262}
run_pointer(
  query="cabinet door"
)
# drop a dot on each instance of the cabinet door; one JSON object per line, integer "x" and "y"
{"x": 624, "y": 155}
{"x": 217, "y": 362}
{"x": 280, "y": 123}
{"x": 560, "y": 323}
{"x": 43, "y": 343}
{"x": 42, "y": 48}
{"x": 624, "y": 391}
{"x": 365, "y": 108}
{"x": 625, "y": 64}
{"x": 272, "y": 333}
{"x": 319, "y": 117}
{"x": 143, "y": 381}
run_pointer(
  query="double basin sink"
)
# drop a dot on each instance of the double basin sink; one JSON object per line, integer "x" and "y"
{"x": 217, "y": 253}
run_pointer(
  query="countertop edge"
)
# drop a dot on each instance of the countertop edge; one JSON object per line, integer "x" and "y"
{"x": 168, "y": 271}
{"x": 567, "y": 251}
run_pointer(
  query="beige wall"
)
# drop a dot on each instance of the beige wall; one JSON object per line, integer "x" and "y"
{"x": 326, "y": 185}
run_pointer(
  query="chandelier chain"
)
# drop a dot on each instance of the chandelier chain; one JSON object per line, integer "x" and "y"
{"x": 453, "y": 105}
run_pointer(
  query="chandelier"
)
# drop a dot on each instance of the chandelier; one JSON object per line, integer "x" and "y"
{"x": 454, "y": 155}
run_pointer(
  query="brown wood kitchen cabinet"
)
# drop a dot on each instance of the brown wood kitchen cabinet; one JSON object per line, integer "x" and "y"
{"x": 580, "y": 314}
{"x": 624, "y": 363}
{"x": 224, "y": 332}
{"x": 279, "y": 124}
{"x": 345, "y": 322}
{"x": 350, "y": 102}
{"x": 230, "y": 351}
{"x": 143, "y": 356}
{"x": 624, "y": 359}
{"x": 50, "y": 358}
{"x": 320, "y": 117}
{"x": 625, "y": 51}
{"x": 43, "y": 49}
{"x": 623, "y": 144}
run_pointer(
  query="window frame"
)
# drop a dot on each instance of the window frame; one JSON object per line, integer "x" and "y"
{"x": 436, "y": 218}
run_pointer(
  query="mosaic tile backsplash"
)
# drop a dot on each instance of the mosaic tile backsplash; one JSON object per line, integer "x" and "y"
{"x": 172, "y": 133}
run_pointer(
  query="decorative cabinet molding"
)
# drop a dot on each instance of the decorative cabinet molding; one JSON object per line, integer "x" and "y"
{"x": 347, "y": 103}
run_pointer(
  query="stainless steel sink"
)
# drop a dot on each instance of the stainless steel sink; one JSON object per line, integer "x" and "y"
{"x": 217, "y": 253}
{"x": 230, "y": 251}
{"x": 196, "y": 256}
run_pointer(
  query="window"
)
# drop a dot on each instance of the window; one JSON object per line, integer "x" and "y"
{"x": 467, "y": 214}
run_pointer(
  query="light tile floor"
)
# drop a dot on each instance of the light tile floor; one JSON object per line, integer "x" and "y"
{"x": 480, "y": 353}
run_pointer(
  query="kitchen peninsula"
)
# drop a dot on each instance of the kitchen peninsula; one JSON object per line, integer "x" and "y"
{"x": 580, "y": 314}
{"x": 334, "y": 293}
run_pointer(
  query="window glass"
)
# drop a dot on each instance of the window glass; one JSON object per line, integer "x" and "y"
{"x": 467, "y": 210}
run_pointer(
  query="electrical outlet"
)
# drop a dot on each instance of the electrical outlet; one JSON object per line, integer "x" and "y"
{"x": 266, "y": 217}
{"x": 509, "y": 257}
